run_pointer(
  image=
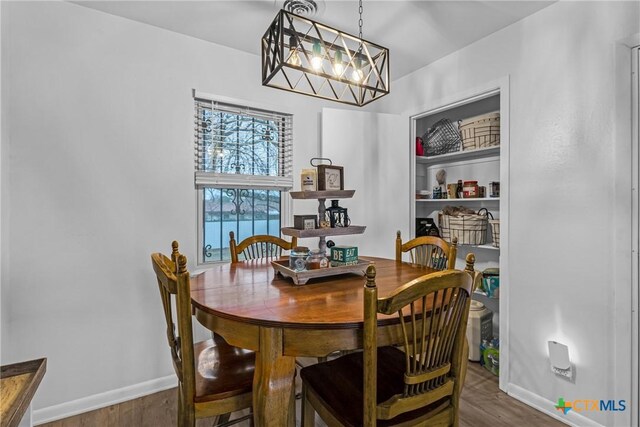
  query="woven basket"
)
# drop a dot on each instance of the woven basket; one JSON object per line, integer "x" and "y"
{"x": 495, "y": 231}
{"x": 469, "y": 229}
{"x": 442, "y": 138}
{"x": 480, "y": 131}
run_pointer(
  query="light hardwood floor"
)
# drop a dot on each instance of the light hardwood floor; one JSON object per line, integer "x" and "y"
{"x": 482, "y": 405}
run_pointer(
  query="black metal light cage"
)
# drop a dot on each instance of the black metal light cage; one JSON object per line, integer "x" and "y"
{"x": 292, "y": 44}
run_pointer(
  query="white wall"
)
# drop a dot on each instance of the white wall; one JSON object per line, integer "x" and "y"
{"x": 364, "y": 142}
{"x": 4, "y": 312}
{"x": 569, "y": 272}
{"x": 100, "y": 128}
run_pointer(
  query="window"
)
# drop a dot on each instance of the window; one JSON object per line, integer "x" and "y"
{"x": 243, "y": 163}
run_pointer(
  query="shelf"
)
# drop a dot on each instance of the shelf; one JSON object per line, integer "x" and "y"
{"x": 489, "y": 247}
{"x": 315, "y": 195}
{"x": 321, "y": 232}
{"x": 460, "y": 155}
{"x": 477, "y": 199}
{"x": 482, "y": 293}
{"x": 302, "y": 277}
{"x": 492, "y": 304}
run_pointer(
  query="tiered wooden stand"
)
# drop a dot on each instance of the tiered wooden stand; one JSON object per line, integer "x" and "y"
{"x": 322, "y": 233}
{"x": 301, "y": 277}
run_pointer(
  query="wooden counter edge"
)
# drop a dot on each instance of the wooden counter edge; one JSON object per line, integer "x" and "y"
{"x": 16, "y": 411}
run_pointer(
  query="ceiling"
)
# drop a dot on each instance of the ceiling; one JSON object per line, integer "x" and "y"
{"x": 416, "y": 32}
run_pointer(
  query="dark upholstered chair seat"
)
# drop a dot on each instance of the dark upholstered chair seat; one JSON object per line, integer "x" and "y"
{"x": 222, "y": 370}
{"x": 339, "y": 384}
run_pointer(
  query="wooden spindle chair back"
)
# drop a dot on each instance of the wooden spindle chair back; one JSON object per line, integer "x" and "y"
{"x": 222, "y": 382}
{"x": 174, "y": 283}
{"x": 259, "y": 246}
{"x": 433, "y": 312}
{"x": 430, "y": 251}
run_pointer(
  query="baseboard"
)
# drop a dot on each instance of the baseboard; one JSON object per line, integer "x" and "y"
{"x": 101, "y": 400}
{"x": 548, "y": 407}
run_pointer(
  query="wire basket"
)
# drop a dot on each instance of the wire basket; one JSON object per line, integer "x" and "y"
{"x": 469, "y": 229}
{"x": 495, "y": 231}
{"x": 442, "y": 138}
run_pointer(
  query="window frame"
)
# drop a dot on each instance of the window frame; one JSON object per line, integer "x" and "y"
{"x": 286, "y": 204}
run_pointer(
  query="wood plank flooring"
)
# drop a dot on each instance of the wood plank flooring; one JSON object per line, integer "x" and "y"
{"x": 482, "y": 405}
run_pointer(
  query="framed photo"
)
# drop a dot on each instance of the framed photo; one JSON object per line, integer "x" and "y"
{"x": 330, "y": 178}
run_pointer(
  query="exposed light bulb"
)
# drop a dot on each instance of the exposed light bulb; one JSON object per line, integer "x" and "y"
{"x": 338, "y": 65}
{"x": 316, "y": 59}
{"x": 294, "y": 56}
{"x": 357, "y": 75}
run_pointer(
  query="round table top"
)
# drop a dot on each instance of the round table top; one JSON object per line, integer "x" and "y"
{"x": 252, "y": 292}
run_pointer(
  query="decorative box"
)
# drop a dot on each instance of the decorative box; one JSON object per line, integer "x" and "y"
{"x": 305, "y": 222}
{"x": 344, "y": 255}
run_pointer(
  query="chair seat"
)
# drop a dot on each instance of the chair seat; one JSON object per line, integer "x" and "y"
{"x": 222, "y": 370}
{"x": 339, "y": 384}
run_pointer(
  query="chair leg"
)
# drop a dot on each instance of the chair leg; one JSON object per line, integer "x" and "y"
{"x": 180, "y": 417}
{"x": 188, "y": 419}
{"x": 308, "y": 413}
{"x": 292, "y": 401}
{"x": 186, "y": 412}
{"x": 457, "y": 391}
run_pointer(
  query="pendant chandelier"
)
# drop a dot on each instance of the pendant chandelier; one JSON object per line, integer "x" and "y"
{"x": 304, "y": 56}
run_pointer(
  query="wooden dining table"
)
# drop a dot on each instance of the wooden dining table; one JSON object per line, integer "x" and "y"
{"x": 251, "y": 306}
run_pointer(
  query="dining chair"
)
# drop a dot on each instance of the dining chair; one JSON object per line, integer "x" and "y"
{"x": 387, "y": 386}
{"x": 214, "y": 378}
{"x": 430, "y": 251}
{"x": 259, "y": 246}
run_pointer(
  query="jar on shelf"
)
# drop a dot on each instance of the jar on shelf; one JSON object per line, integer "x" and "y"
{"x": 495, "y": 189}
{"x": 298, "y": 257}
{"x": 470, "y": 189}
{"x": 459, "y": 190}
{"x": 317, "y": 259}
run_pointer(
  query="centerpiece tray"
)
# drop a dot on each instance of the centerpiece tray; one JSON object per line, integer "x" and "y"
{"x": 302, "y": 277}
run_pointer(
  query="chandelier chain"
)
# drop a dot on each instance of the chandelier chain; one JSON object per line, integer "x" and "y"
{"x": 360, "y": 21}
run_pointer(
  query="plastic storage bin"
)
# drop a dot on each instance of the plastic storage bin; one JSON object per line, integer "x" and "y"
{"x": 479, "y": 328}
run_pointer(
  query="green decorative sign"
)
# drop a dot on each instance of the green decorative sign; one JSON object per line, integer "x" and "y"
{"x": 344, "y": 255}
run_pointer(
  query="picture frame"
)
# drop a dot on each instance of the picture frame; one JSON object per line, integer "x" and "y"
{"x": 330, "y": 177}
{"x": 305, "y": 222}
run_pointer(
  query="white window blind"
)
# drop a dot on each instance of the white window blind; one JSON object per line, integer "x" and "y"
{"x": 242, "y": 147}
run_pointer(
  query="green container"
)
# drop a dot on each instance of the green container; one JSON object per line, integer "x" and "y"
{"x": 345, "y": 255}
{"x": 491, "y": 359}
{"x": 491, "y": 282}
